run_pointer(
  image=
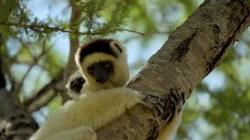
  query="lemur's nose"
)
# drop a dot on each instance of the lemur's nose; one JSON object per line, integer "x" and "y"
{"x": 101, "y": 71}
{"x": 101, "y": 75}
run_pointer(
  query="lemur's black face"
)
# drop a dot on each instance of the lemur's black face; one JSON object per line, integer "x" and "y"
{"x": 76, "y": 84}
{"x": 101, "y": 71}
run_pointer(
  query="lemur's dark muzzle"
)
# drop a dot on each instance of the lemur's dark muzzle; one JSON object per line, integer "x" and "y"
{"x": 101, "y": 71}
{"x": 101, "y": 75}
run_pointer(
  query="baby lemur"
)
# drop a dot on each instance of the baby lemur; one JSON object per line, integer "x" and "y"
{"x": 75, "y": 84}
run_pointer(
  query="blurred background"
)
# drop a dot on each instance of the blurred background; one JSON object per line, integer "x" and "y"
{"x": 36, "y": 44}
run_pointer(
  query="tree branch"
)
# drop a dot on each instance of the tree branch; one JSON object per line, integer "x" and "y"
{"x": 189, "y": 55}
{"x": 42, "y": 101}
{"x": 36, "y": 61}
{"x": 2, "y": 78}
{"x": 16, "y": 123}
{"x": 75, "y": 22}
{"x": 44, "y": 28}
{"x": 41, "y": 94}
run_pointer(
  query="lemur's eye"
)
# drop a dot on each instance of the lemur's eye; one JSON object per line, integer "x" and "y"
{"x": 107, "y": 65}
{"x": 81, "y": 80}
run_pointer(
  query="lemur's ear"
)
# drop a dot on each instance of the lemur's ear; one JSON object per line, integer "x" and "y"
{"x": 117, "y": 45}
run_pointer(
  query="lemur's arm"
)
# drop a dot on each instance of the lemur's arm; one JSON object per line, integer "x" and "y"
{"x": 78, "y": 133}
{"x": 94, "y": 111}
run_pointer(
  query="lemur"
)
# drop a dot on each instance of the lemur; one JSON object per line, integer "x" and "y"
{"x": 75, "y": 84}
{"x": 103, "y": 65}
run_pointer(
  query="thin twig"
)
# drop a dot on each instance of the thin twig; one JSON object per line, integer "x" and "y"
{"x": 36, "y": 60}
{"x": 52, "y": 84}
{"x": 45, "y": 100}
{"x": 131, "y": 31}
{"x": 44, "y": 28}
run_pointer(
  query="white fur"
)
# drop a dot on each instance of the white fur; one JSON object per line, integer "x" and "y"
{"x": 92, "y": 111}
{"x": 168, "y": 131}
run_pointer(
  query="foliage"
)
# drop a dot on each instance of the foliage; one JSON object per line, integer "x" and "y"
{"x": 218, "y": 109}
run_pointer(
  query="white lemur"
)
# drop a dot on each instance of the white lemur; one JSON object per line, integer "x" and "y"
{"x": 103, "y": 65}
{"x": 108, "y": 65}
{"x": 75, "y": 84}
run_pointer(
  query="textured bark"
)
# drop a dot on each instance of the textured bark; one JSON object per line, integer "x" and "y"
{"x": 190, "y": 54}
{"x": 15, "y": 122}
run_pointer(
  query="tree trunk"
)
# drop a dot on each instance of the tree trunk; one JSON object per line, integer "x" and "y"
{"x": 190, "y": 54}
{"x": 15, "y": 121}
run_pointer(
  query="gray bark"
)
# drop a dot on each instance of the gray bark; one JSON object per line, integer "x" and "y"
{"x": 190, "y": 54}
{"x": 15, "y": 121}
